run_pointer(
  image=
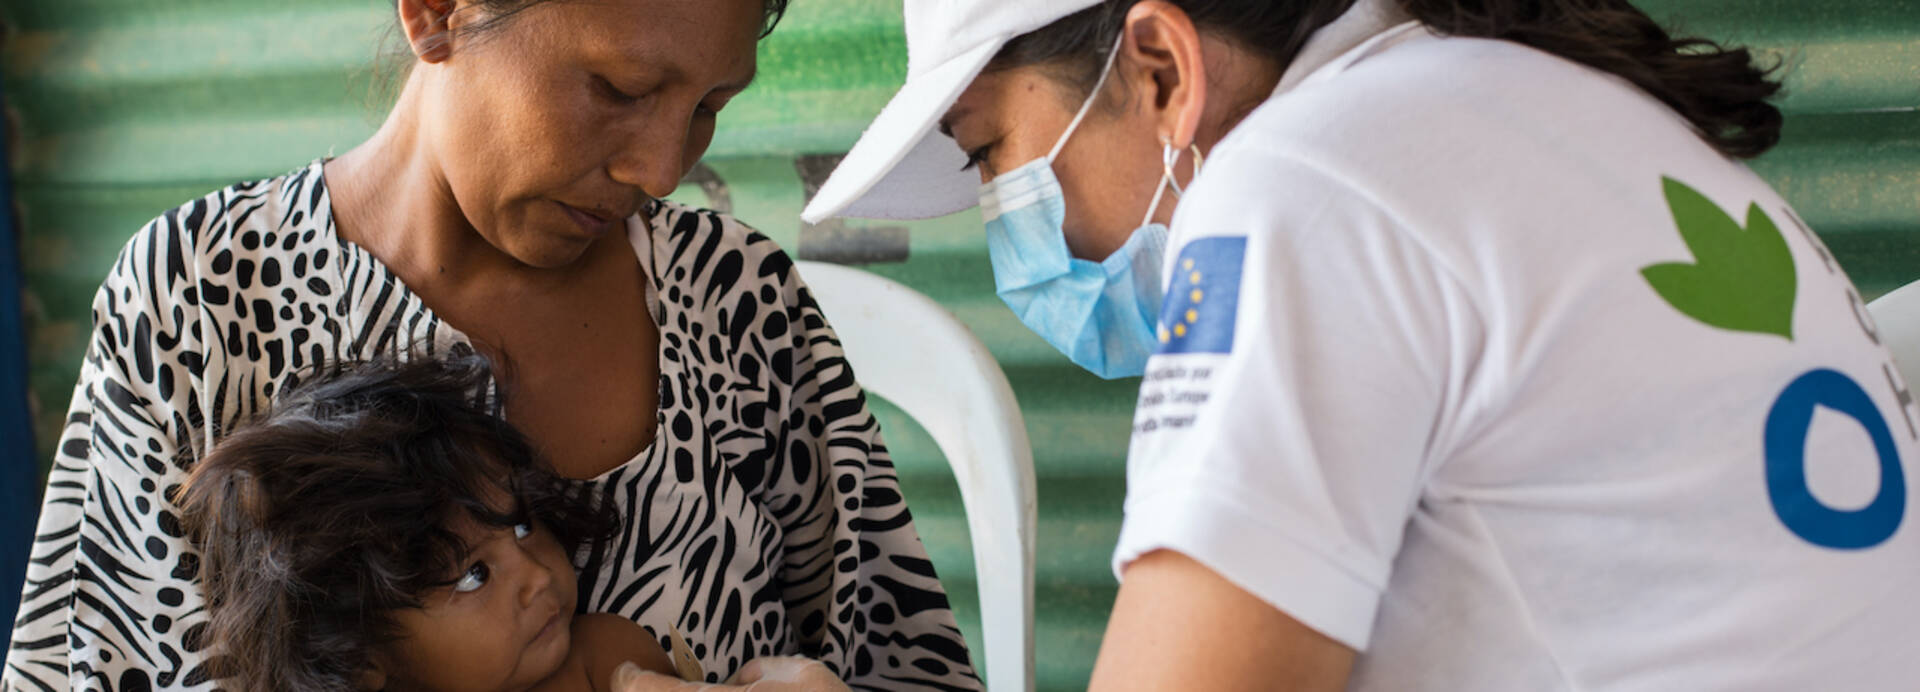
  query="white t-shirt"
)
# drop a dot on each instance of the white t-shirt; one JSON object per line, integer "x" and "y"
{"x": 1484, "y": 364}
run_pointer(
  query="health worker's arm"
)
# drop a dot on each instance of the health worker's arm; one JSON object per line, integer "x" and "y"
{"x": 1179, "y": 625}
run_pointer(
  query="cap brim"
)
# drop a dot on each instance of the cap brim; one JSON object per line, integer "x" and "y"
{"x": 903, "y": 167}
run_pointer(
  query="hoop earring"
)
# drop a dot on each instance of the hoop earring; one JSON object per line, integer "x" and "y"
{"x": 1170, "y": 156}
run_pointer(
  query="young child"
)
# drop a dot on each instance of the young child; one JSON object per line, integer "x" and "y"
{"x": 379, "y": 529}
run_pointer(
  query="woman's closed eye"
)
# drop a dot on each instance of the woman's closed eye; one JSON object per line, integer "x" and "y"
{"x": 613, "y": 93}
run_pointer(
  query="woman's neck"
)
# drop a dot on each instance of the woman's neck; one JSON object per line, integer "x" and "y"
{"x": 391, "y": 197}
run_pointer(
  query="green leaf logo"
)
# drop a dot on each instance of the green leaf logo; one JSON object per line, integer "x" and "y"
{"x": 1742, "y": 278}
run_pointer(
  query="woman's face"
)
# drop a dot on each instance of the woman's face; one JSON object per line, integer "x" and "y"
{"x": 504, "y": 624}
{"x": 553, "y": 128}
{"x": 1108, "y": 169}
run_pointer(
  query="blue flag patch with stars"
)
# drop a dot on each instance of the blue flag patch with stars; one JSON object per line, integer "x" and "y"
{"x": 1203, "y": 297}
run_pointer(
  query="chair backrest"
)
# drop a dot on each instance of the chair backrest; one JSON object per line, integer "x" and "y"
{"x": 913, "y": 352}
{"x": 1897, "y": 316}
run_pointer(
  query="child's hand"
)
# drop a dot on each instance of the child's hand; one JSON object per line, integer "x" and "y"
{"x": 770, "y": 674}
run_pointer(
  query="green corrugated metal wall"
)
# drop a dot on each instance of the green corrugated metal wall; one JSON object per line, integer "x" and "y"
{"x": 129, "y": 107}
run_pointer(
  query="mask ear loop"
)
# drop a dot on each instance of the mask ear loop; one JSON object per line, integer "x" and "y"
{"x": 1091, "y": 97}
{"x": 1168, "y": 157}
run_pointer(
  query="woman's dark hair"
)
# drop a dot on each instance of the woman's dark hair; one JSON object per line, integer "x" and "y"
{"x": 499, "y": 11}
{"x": 319, "y": 519}
{"x": 396, "y": 59}
{"x": 1717, "y": 88}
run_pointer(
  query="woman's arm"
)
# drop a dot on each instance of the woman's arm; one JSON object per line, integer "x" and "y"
{"x": 1179, "y": 625}
{"x": 104, "y": 604}
{"x": 861, "y": 594}
{"x": 39, "y": 653}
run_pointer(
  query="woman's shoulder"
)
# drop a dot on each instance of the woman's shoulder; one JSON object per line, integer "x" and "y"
{"x": 244, "y": 274}
{"x": 699, "y": 227}
{"x": 718, "y": 252}
{"x": 232, "y": 231}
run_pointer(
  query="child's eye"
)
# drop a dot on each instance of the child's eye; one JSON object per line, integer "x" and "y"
{"x": 522, "y": 529}
{"x": 475, "y": 578}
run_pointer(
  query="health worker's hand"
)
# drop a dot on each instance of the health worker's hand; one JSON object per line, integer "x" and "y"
{"x": 767, "y": 674}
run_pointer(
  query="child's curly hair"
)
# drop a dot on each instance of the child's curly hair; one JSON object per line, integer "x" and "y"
{"x": 332, "y": 510}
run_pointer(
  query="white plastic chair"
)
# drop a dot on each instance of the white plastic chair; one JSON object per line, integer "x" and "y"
{"x": 913, "y": 352}
{"x": 1897, "y": 315}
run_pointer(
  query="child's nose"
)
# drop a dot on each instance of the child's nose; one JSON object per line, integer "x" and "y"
{"x": 538, "y": 581}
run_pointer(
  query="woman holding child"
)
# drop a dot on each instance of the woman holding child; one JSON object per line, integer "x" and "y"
{"x": 511, "y": 205}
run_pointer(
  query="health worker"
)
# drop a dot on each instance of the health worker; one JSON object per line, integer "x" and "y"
{"x": 1475, "y": 358}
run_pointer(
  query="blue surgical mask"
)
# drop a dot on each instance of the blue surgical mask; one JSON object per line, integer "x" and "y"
{"x": 1102, "y": 315}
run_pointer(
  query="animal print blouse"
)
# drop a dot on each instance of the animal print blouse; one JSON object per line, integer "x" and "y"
{"x": 765, "y": 518}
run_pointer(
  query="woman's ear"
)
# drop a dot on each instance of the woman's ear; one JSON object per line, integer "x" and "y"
{"x": 1163, "y": 43}
{"x": 428, "y": 28}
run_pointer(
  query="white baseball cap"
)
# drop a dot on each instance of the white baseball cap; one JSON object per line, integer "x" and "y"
{"x": 903, "y": 167}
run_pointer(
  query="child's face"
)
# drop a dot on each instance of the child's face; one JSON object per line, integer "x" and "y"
{"x": 503, "y": 626}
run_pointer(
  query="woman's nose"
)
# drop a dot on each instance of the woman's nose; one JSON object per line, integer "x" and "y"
{"x": 652, "y": 159}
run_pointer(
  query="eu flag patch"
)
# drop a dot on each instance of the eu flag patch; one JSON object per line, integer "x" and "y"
{"x": 1204, "y": 297}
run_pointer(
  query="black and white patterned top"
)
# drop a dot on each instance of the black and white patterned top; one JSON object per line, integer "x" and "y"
{"x": 765, "y": 518}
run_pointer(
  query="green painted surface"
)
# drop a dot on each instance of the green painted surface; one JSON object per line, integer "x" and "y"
{"x": 129, "y": 107}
